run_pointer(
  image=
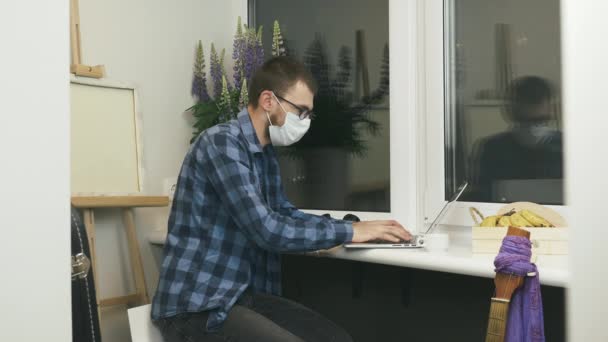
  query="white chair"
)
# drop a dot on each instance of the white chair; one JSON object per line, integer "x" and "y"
{"x": 142, "y": 328}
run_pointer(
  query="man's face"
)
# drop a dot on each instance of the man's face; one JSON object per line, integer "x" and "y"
{"x": 540, "y": 112}
{"x": 300, "y": 97}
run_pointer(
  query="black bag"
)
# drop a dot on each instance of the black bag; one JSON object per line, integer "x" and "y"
{"x": 85, "y": 318}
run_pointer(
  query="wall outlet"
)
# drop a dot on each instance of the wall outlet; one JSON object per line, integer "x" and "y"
{"x": 169, "y": 185}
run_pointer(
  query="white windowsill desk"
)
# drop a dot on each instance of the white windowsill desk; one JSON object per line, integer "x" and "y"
{"x": 459, "y": 259}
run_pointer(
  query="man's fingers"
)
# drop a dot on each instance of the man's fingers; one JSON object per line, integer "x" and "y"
{"x": 389, "y": 232}
{"x": 390, "y": 237}
{"x": 401, "y": 233}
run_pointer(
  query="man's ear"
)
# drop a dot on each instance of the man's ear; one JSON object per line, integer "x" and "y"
{"x": 265, "y": 100}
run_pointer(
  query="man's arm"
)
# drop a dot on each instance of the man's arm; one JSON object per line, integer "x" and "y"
{"x": 387, "y": 230}
{"x": 288, "y": 209}
{"x": 227, "y": 167}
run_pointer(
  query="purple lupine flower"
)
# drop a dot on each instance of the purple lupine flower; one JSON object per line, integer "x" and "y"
{"x": 238, "y": 38}
{"x": 215, "y": 71}
{"x": 199, "y": 79}
{"x": 239, "y": 73}
{"x": 199, "y": 89}
{"x": 237, "y": 54}
{"x": 249, "y": 53}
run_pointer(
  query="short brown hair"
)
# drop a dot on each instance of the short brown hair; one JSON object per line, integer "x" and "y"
{"x": 527, "y": 91}
{"x": 278, "y": 75}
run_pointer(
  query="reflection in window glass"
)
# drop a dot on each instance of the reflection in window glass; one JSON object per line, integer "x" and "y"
{"x": 503, "y": 118}
{"x": 343, "y": 161}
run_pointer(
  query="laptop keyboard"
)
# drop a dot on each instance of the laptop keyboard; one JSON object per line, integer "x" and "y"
{"x": 385, "y": 242}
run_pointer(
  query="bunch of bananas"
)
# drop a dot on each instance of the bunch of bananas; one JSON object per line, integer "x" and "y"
{"x": 523, "y": 218}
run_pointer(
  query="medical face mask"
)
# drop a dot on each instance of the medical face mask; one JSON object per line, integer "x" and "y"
{"x": 292, "y": 130}
{"x": 532, "y": 134}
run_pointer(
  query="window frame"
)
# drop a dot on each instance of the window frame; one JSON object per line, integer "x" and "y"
{"x": 434, "y": 139}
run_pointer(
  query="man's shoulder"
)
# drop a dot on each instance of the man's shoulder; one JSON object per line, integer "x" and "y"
{"x": 499, "y": 138}
{"x": 498, "y": 142}
{"x": 223, "y": 137}
{"x": 224, "y": 133}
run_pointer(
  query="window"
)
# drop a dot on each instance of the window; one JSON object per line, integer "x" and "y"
{"x": 502, "y": 100}
{"x": 343, "y": 163}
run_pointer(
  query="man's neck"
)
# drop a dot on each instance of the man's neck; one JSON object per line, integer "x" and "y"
{"x": 260, "y": 124}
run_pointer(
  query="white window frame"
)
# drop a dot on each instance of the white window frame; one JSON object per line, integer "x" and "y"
{"x": 417, "y": 141}
{"x": 433, "y": 141}
{"x": 405, "y": 126}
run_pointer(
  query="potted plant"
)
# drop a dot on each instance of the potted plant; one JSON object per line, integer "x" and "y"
{"x": 228, "y": 99}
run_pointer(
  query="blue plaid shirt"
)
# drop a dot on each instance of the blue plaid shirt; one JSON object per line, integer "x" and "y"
{"x": 229, "y": 221}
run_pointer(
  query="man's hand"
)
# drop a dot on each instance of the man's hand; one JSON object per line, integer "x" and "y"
{"x": 389, "y": 230}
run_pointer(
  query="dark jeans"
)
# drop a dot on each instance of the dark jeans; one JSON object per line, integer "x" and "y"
{"x": 258, "y": 317}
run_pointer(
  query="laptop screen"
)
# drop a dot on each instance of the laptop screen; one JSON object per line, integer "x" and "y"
{"x": 445, "y": 208}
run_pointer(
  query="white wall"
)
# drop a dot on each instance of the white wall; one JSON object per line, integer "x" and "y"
{"x": 151, "y": 44}
{"x": 585, "y": 91}
{"x": 34, "y": 145}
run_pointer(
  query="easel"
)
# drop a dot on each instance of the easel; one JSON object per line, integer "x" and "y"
{"x": 76, "y": 67}
{"x": 126, "y": 204}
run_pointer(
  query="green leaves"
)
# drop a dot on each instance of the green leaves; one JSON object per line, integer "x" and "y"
{"x": 213, "y": 112}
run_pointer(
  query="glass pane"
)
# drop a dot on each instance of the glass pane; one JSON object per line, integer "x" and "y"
{"x": 343, "y": 161}
{"x": 503, "y": 118}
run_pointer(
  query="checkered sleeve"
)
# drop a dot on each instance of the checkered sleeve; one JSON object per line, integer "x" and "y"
{"x": 229, "y": 170}
{"x": 290, "y": 210}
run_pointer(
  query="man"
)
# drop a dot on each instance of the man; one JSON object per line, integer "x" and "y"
{"x": 530, "y": 150}
{"x": 220, "y": 278}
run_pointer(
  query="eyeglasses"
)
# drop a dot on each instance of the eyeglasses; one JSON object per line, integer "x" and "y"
{"x": 303, "y": 113}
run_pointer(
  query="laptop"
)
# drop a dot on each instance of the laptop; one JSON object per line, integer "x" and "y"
{"x": 547, "y": 191}
{"x": 417, "y": 241}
